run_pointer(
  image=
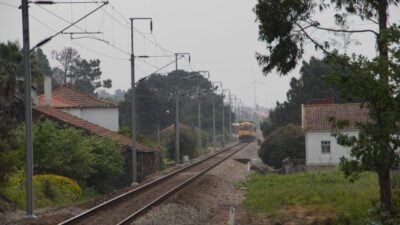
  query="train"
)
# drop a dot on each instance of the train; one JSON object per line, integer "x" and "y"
{"x": 247, "y": 131}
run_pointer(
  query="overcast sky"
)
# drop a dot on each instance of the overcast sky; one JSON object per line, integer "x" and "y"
{"x": 221, "y": 36}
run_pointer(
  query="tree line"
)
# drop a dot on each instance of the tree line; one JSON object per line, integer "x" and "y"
{"x": 287, "y": 26}
{"x": 281, "y": 130}
{"x": 95, "y": 163}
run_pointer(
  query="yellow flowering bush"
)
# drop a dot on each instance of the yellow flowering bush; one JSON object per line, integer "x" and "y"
{"x": 48, "y": 189}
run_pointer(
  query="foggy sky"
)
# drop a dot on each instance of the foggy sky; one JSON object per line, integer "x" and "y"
{"x": 221, "y": 36}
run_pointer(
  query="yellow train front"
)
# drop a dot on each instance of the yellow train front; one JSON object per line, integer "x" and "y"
{"x": 247, "y": 132}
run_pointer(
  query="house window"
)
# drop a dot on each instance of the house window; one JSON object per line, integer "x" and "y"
{"x": 326, "y": 147}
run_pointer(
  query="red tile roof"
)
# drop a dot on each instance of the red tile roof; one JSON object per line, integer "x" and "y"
{"x": 91, "y": 127}
{"x": 316, "y": 116}
{"x": 70, "y": 97}
{"x": 170, "y": 129}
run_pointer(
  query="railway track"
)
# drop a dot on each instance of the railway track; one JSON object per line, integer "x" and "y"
{"x": 124, "y": 208}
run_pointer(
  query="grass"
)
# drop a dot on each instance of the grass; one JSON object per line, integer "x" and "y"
{"x": 317, "y": 192}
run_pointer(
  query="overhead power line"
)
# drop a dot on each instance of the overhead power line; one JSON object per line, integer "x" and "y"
{"x": 155, "y": 42}
{"x": 66, "y": 21}
{"x": 9, "y": 5}
{"x": 76, "y": 43}
{"x": 70, "y": 25}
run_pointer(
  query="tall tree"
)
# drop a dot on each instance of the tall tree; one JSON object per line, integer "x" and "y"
{"x": 11, "y": 100}
{"x": 286, "y": 25}
{"x": 43, "y": 62}
{"x": 312, "y": 84}
{"x": 155, "y": 101}
{"x": 68, "y": 57}
{"x": 43, "y": 67}
{"x": 80, "y": 73}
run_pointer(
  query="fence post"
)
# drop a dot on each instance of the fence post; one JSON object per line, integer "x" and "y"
{"x": 231, "y": 216}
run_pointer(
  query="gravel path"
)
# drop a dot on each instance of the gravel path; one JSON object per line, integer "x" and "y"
{"x": 208, "y": 199}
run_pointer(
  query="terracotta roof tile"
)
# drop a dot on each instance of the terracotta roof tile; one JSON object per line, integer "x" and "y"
{"x": 316, "y": 116}
{"x": 91, "y": 127}
{"x": 57, "y": 102}
{"x": 171, "y": 128}
{"x": 70, "y": 97}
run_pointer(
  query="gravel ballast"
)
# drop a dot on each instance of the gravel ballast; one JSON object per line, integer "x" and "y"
{"x": 208, "y": 199}
{"x": 205, "y": 201}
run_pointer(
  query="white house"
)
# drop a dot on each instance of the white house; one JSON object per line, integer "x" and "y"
{"x": 82, "y": 105}
{"x": 321, "y": 147}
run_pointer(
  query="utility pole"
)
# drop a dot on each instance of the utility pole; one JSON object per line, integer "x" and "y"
{"x": 223, "y": 122}
{"x": 213, "y": 112}
{"x": 158, "y": 134}
{"x": 177, "y": 131}
{"x": 223, "y": 117}
{"x": 133, "y": 100}
{"x": 236, "y": 112}
{"x": 28, "y": 86}
{"x": 199, "y": 115}
{"x": 176, "y": 58}
{"x": 199, "y": 108}
{"x": 230, "y": 116}
{"x": 28, "y": 109}
{"x": 239, "y": 111}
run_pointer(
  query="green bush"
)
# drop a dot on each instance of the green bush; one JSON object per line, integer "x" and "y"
{"x": 91, "y": 160}
{"x": 187, "y": 144}
{"x": 48, "y": 189}
{"x": 10, "y": 161}
{"x": 107, "y": 165}
{"x": 287, "y": 141}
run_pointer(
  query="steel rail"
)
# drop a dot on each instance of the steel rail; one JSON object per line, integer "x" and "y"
{"x": 115, "y": 200}
{"x": 168, "y": 194}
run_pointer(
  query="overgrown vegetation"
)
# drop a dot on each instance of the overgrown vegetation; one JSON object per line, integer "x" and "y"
{"x": 155, "y": 100}
{"x": 283, "y": 142}
{"x": 312, "y": 84}
{"x": 286, "y": 26}
{"x": 187, "y": 144}
{"x": 11, "y": 101}
{"x": 48, "y": 190}
{"x": 93, "y": 161}
{"x": 325, "y": 193}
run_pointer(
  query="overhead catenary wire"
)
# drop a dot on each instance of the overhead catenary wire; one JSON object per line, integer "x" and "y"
{"x": 9, "y": 5}
{"x": 51, "y": 29}
{"x": 76, "y": 43}
{"x": 120, "y": 14}
{"x": 126, "y": 25}
{"x": 70, "y": 25}
{"x": 66, "y": 21}
{"x": 155, "y": 42}
{"x": 99, "y": 53}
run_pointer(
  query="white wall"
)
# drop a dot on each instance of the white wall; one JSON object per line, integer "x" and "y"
{"x": 104, "y": 117}
{"x": 314, "y": 155}
{"x": 73, "y": 111}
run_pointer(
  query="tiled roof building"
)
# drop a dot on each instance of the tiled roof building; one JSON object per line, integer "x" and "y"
{"x": 90, "y": 127}
{"x": 71, "y": 106}
{"x": 82, "y": 105}
{"x": 321, "y": 147}
{"x": 316, "y": 116}
{"x": 70, "y": 97}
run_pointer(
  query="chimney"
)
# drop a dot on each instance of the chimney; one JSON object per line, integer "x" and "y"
{"x": 47, "y": 91}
